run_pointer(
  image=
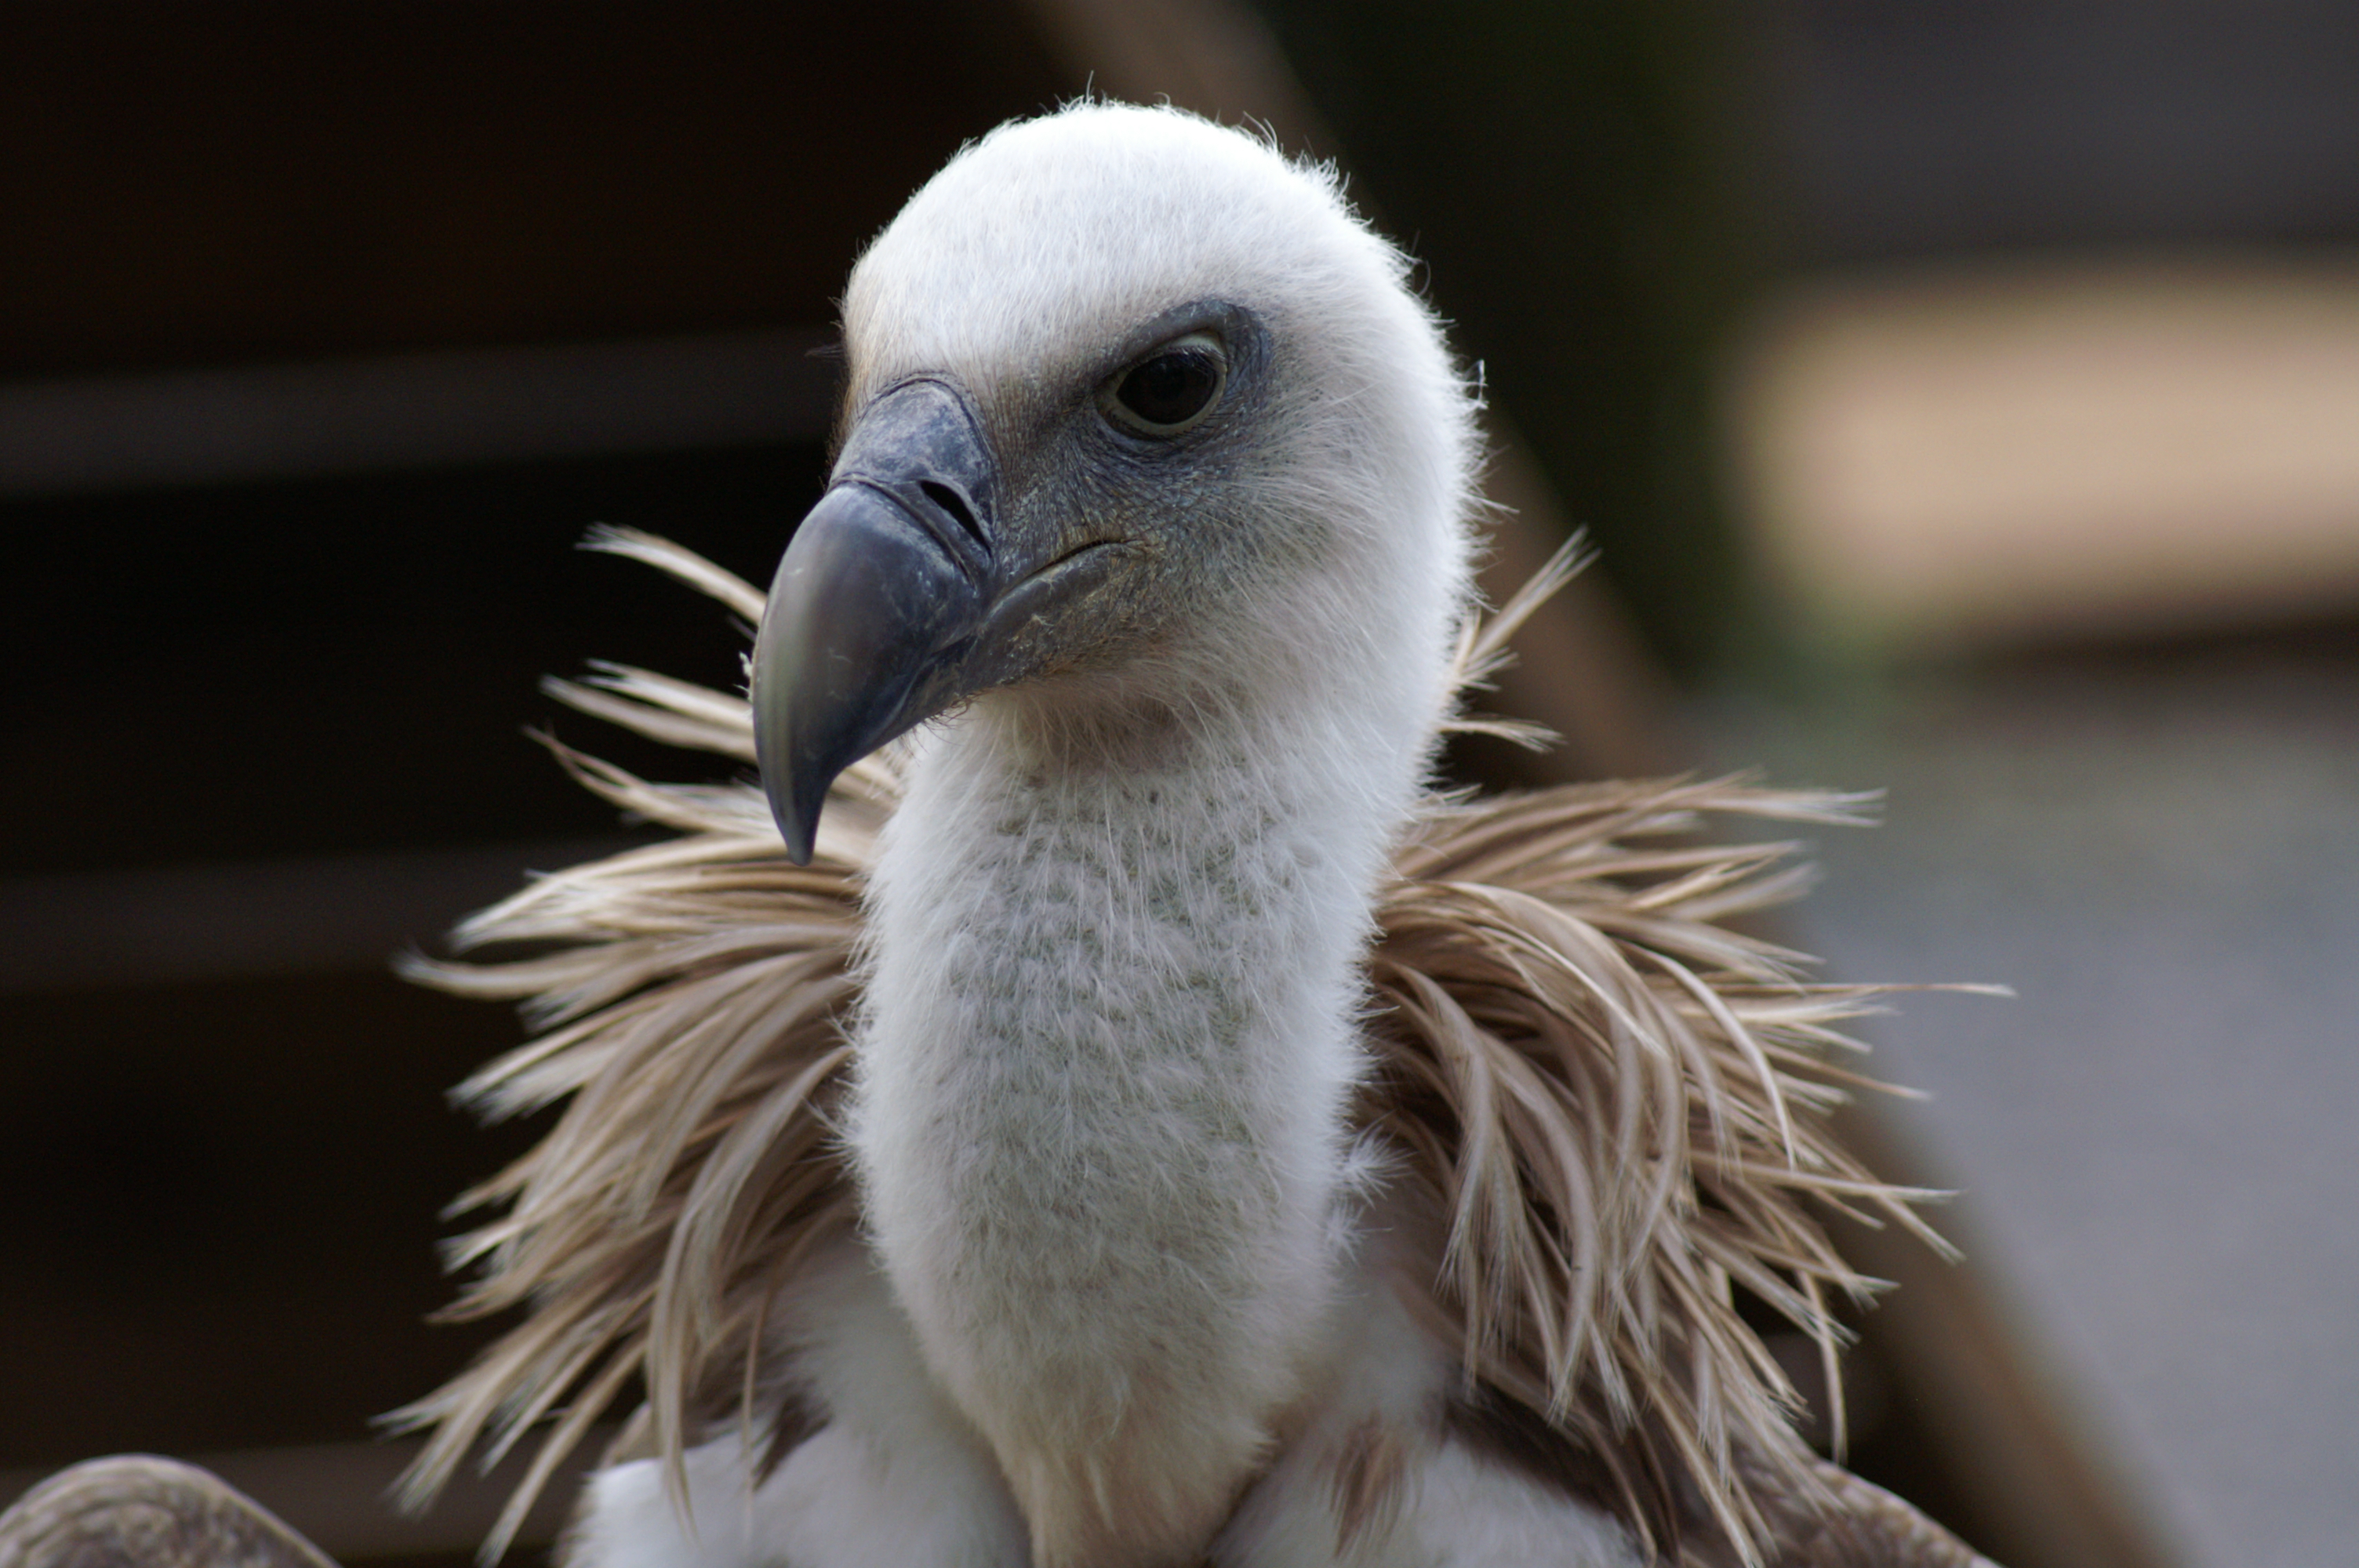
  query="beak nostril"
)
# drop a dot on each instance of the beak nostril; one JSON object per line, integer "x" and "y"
{"x": 952, "y": 502}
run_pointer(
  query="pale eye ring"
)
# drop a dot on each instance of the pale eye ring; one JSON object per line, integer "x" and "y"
{"x": 1170, "y": 391}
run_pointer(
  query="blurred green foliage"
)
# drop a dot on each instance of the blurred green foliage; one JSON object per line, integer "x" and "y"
{"x": 1573, "y": 174}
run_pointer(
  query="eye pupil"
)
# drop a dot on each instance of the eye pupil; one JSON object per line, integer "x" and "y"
{"x": 1172, "y": 388}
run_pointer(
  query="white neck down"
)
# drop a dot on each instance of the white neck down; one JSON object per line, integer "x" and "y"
{"x": 1102, "y": 1083}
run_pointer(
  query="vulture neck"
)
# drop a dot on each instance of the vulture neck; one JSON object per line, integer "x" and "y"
{"x": 1100, "y": 1114}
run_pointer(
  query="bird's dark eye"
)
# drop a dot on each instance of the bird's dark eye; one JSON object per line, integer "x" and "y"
{"x": 1171, "y": 389}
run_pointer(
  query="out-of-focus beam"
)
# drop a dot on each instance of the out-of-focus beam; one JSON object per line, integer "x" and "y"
{"x": 180, "y": 924}
{"x": 2026, "y": 1471}
{"x": 413, "y": 411}
{"x": 1952, "y": 459}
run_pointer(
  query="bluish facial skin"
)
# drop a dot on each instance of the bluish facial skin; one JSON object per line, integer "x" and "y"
{"x": 931, "y": 569}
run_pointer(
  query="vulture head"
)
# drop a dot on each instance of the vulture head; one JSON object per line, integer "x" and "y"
{"x": 1141, "y": 424}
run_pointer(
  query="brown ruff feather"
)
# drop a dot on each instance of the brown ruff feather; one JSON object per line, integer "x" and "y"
{"x": 1618, "y": 1102}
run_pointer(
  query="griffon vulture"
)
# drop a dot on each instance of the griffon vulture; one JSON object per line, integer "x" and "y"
{"x": 1132, "y": 1121}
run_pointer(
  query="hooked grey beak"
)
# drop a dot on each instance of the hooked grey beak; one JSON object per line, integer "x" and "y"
{"x": 873, "y": 622}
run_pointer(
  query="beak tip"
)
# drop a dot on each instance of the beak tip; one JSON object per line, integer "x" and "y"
{"x": 798, "y": 825}
{"x": 797, "y": 792}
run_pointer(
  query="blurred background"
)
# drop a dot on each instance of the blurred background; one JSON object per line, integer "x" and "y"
{"x": 1964, "y": 396}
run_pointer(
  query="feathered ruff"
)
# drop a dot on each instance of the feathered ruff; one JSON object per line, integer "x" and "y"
{"x": 1618, "y": 1102}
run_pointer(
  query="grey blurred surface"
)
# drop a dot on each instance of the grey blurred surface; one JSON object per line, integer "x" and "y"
{"x": 1959, "y": 125}
{"x": 2156, "y": 1139}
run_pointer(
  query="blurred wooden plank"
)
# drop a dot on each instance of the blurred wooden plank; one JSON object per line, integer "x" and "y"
{"x": 2038, "y": 1497}
{"x": 181, "y": 923}
{"x": 1953, "y": 458}
{"x": 413, "y": 411}
{"x": 1580, "y": 668}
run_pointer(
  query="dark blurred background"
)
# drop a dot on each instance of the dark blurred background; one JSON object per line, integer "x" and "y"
{"x": 1965, "y": 397}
